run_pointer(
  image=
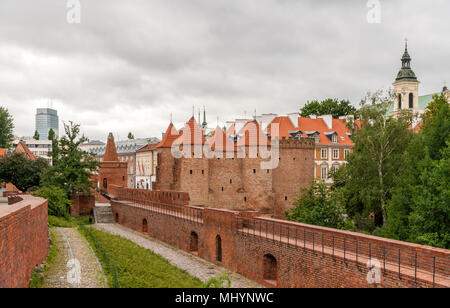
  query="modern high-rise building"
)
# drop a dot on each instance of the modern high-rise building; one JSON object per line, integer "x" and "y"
{"x": 46, "y": 119}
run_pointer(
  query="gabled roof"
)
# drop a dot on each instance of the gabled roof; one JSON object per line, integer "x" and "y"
{"x": 147, "y": 148}
{"x": 22, "y": 148}
{"x": 110, "y": 152}
{"x": 249, "y": 138}
{"x": 307, "y": 125}
{"x": 169, "y": 137}
{"x": 284, "y": 126}
{"x": 219, "y": 141}
{"x": 192, "y": 134}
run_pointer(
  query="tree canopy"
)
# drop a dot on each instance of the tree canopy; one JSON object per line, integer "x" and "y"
{"x": 130, "y": 135}
{"x": 419, "y": 209}
{"x": 36, "y": 135}
{"x": 6, "y": 128}
{"x": 24, "y": 173}
{"x": 72, "y": 167}
{"x": 328, "y": 106}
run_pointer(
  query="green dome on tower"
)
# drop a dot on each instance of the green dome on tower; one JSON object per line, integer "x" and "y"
{"x": 406, "y": 73}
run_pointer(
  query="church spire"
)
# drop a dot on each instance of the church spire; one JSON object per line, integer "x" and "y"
{"x": 204, "y": 124}
{"x": 406, "y": 73}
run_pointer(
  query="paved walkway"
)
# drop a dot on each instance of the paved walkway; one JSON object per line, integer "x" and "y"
{"x": 194, "y": 265}
{"x": 75, "y": 265}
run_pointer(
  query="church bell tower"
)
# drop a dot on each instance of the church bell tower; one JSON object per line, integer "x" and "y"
{"x": 406, "y": 85}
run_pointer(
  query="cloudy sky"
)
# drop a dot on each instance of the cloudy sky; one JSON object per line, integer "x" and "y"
{"x": 129, "y": 64}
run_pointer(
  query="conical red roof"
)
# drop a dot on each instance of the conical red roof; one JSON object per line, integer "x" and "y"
{"x": 252, "y": 135}
{"x": 192, "y": 134}
{"x": 110, "y": 152}
{"x": 220, "y": 142}
{"x": 169, "y": 137}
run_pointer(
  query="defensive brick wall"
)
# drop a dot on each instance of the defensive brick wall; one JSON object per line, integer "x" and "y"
{"x": 23, "y": 239}
{"x": 279, "y": 253}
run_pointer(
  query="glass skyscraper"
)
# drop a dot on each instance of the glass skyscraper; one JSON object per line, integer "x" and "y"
{"x": 46, "y": 119}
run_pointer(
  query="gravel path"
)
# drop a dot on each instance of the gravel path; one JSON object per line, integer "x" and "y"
{"x": 73, "y": 250}
{"x": 194, "y": 265}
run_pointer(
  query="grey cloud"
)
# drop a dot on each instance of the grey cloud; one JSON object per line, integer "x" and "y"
{"x": 129, "y": 64}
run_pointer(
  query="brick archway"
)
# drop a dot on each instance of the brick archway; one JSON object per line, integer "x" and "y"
{"x": 270, "y": 268}
{"x": 193, "y": 245}
{"x": 144, "y": 225}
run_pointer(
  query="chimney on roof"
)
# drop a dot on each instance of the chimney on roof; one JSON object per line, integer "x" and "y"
{"x": 294, "y": 118}
{"x": 328, "y": 119}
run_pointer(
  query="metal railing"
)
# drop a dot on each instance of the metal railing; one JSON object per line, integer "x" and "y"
{"x": 395, "y": 258}
{"x": 186, "y": 213}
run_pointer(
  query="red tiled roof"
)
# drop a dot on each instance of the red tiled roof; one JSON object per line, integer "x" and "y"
{"x": 231, "y": 130}
{"x": 306, "y": 124}
{"x": 22, "y": 148}
{"x": 148, "y": 147}
{"x": 191, "y": 134}
{"x": 2, "y": 152}
{"x": 248, "y": 135}
{"x": 169, "y": 137}
{"x": 219, "y": 141}
{"x": 284, "y": 126}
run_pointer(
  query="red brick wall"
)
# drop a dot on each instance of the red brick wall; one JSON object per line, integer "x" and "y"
{"x": 82, "y": 205}
{"x": 207, "y": 180}
{"x": 23, "y": 240}
{"x": 244, "y": 247}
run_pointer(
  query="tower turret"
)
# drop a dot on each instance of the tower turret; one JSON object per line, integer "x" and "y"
{"x": 406, "y": 85}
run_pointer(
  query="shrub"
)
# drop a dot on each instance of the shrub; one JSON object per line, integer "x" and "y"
{"x": 58, "y": 203}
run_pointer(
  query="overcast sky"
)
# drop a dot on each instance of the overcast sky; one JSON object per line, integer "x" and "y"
{"x": 129, "y": 64}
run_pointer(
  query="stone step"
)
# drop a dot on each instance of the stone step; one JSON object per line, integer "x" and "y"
{"x": 103, "y": 214}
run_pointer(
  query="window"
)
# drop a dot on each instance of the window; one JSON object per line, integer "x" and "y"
{"x": 336, "y": 153}
{"x": 203, "y": 171}
{"x": 411, "y": 100}
{"x": 190, "y": 171}
{"x": 335, "y": 168}
{"x": 144, "y": 226}
{"x": 346, "y": 153}
{"x": 324, "y": 172}
{"x": 399, "y": 101}
{"x": 218, "y": 248}
{"x": 334, "y": 138}
{"x": 323, "y": 153}
{"x": 285, "y": 198}
{"x": 193, "y": 245}
{"x": 254, "y": 170}
{"x": 105, "y": 183}
{"x": 231, "y": 181}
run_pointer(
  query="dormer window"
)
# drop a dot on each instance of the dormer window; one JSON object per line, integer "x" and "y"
{"x": 334, "y": 138}
{"x": 313, "y": 134}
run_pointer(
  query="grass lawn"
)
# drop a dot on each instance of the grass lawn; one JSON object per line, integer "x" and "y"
{"x": 138, "y": 267}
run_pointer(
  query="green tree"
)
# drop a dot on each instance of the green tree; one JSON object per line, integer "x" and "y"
{"x": 328, "y": 106}
{"x": 318, "y": 205}
{"x": 72, "y": 167}
{"x": 130, "y": 135}
{"x": 377, "y": 159}
{"x": 419, "y": 209}
{"x": 6, "y": 128}
{"x": 36, "y": 135}
{"x": 51, "y": 134}
{"x": 58, "y": 203}
{"x": 24, "y": 173}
